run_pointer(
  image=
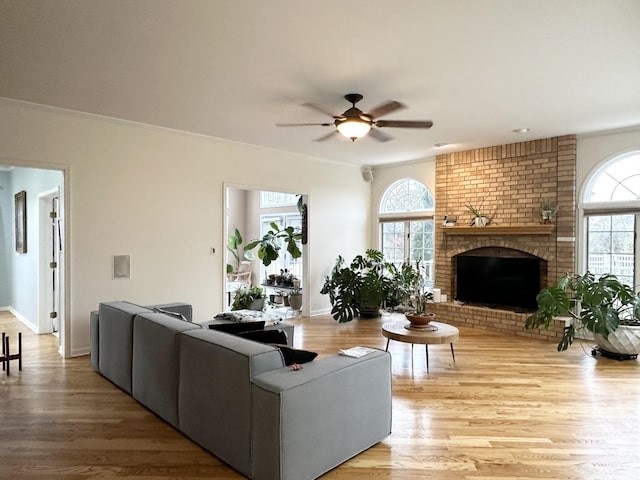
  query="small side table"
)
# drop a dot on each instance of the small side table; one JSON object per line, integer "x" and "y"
{"x": 444, "y": 333}
{"x": 7, "y": 356}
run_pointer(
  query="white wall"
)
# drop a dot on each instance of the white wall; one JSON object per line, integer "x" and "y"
{"x": 157, "y": 195}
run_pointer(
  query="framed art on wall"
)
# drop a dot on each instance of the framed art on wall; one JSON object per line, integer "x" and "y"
{"x": 21, "y": 222}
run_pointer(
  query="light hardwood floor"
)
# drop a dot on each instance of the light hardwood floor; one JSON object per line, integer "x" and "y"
{"x": 509, "y": 408}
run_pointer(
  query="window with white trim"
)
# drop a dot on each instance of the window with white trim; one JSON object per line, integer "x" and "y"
{"x": 611, "y": 204}
{"x": 406, "y": 224}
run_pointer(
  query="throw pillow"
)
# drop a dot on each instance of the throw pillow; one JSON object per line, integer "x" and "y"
{"x": 266, "y": 336}
{"x": 295, "y": 355}
{"x": 235, "y": 328}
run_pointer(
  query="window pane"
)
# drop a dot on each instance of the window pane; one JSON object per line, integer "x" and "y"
{"x": 277, "y": 199}
{"x": 622, "y": 242}
{"x": 421, "y": 244}
{"x": 393, "y": 242}
{"x": 612, "y": 250}
{"x": 599, "y": 242}
{"x": 599, "y": 223}
{"x": 622, "y": 222}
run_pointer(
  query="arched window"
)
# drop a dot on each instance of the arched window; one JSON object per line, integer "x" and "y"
{"x": 406, "y": 223}
{"x": 611, "y": 203}
{"x": 406, "y": 195}
{"x": 617, "y": 181}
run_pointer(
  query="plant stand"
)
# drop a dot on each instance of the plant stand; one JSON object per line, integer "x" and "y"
{"x": 7, "y": 357}
{"x": 615, "y": 356}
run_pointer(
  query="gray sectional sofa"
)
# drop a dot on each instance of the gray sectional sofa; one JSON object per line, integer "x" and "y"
{"x": 237, "y": 398}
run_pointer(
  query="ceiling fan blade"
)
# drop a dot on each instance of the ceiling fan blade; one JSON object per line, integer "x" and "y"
{"x": 404, "y": 123}
{"x": 320, "y": 109}
{"x": 379, "y": 135}
{"x": 326, "y": 137}
{"x": 303, "y": 124}
{"x": 388, "y": 107}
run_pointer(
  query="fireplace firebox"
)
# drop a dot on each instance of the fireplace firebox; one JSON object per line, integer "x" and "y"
{"x": 501, "y": 278}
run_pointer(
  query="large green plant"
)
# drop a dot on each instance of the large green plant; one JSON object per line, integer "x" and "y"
{"x": 269, "y": 244}
{"x": 362, "y": 285}
{"x": 596, "y": 304}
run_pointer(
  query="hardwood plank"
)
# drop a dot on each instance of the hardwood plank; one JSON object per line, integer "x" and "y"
{"x": 508, "y": 408}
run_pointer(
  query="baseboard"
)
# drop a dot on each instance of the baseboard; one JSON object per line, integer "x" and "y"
{"x": 23, "y": 319}
{"x": 81, "y": 352}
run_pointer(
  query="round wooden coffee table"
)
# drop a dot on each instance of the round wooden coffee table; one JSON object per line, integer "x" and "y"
{"x": 443, "y": 333}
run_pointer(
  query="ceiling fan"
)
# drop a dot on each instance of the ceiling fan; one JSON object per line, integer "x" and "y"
{"x": 354, "y": 123}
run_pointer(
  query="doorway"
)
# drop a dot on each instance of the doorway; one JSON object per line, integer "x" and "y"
{"x": 35, "y": 289}
{"x": 252, "y": 211}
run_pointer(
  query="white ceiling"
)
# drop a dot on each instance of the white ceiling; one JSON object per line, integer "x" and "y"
{"x": 234, "y": 68}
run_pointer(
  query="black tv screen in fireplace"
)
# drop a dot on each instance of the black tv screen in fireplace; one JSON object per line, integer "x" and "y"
{"x": 507, "y": 282}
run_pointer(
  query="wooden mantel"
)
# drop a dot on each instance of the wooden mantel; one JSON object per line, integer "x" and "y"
{"x": 524, "y": 229}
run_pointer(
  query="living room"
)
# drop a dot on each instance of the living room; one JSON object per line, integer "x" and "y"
{"x": 156, "y": 191}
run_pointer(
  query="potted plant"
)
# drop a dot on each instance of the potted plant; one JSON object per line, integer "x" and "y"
{"x": 479, "y": 218}
{"x": 412, "y": 283}
{"x": 295, "y": 298}
{"x": 547, "y": 211}
{"x": 360, "y": 288}
{"x": 603, "y": 306}
{"x": 251, "y": 298}
{"x": 269, "y": 244}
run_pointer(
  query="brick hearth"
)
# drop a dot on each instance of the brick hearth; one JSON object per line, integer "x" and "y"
{"x": 511, "y": 181}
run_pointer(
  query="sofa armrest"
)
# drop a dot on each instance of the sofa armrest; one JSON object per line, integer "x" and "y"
{"x": 306, "y": 422}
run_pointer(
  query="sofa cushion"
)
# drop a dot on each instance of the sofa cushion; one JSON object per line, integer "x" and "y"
{"x": 155, "y": 362}
{"x": 115, "y": 340}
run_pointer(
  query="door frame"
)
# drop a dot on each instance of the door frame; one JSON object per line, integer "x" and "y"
{"x": 65, "y": 206}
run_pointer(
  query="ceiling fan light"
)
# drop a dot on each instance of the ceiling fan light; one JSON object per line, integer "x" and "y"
{"x": 354, "y": 129}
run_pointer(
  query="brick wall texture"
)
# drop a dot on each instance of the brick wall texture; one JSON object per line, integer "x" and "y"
{"x": 510, "y": 182}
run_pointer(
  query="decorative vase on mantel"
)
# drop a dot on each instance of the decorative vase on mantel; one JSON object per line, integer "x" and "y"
{"x": 479, "y": 221}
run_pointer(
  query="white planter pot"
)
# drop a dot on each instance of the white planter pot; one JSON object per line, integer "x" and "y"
{"x": 480, "y": 222}
{"x": 625, "y": 340}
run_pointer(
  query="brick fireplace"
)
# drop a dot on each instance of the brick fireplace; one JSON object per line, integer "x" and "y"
{"x": 510, "y": 181}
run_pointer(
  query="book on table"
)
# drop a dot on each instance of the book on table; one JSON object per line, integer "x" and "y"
{"x": 356, "y": 352}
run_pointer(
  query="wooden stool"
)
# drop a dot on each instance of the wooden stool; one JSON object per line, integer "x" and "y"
{"x": 7, "y": 357}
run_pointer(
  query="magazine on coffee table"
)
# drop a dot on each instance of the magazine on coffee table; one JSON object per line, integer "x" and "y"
{"x": 356, "y": 352}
